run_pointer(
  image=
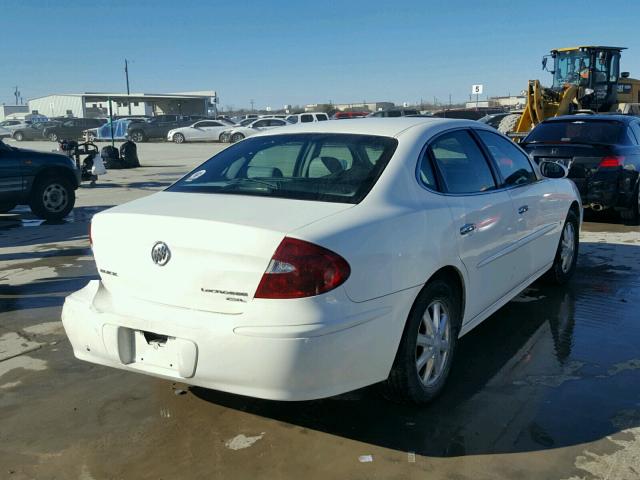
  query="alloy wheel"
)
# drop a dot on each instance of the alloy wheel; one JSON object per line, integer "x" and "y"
{"x": 433, "y": 346}
{"x": 55, "y": 198}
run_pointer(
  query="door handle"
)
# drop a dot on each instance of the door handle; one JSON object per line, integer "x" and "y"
{"x": 523, "y": 209}
{"x": 467, "y": 228}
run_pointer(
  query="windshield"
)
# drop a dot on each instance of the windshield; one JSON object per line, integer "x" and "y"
{"x": 571, "y": 67}
{"x": 315, "y": 166}
{"x": 577, "y": 131}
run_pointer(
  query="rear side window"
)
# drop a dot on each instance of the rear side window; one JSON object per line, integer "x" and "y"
{"x": 306, "y": 118}
{"x": 322, "y": 117}
{"x": 513, "y": 165}
{"x": 577, "y": 131}
{"x": 635, "y": 131}
{"x": 462, "y": 164}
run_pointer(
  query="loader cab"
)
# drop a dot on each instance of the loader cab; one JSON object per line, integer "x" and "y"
{"x": 594, "y": 70}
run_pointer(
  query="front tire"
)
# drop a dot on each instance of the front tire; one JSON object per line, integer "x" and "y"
{"x": 52, "y": 198}
{"x": 178, "y": 138}
{"x": 564, "y": 263}
{"x": 423, "y": 361}
{"x": 19, "y": 136}
{"x": 138, "y": 136}
{"x": 53, "y": 137}
{"x": 236, "y": 137}
{"x": 509, "y": 123}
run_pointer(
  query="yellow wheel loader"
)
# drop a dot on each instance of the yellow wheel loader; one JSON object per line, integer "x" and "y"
{"x": 586, "y": 79}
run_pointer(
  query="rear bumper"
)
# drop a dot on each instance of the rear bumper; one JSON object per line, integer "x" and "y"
{"x": 608, "y": 190}
{"x": 224, "y": 352}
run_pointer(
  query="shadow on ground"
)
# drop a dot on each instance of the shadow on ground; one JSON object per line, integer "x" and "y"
{"x": 553, "y": 368}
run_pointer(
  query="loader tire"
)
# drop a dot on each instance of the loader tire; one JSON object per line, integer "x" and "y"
{"x": 508, "y": 124}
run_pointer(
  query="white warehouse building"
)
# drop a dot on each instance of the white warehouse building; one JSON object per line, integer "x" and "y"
{"x": 95, "y": 104}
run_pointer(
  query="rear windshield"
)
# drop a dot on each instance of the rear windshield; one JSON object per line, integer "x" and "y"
{"x": 577, "y": 131}
{"x": 305, "y": 166}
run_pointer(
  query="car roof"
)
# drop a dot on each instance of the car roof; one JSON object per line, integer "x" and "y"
{"x": 597, "y": 116}
{"x": 388, "y": 127}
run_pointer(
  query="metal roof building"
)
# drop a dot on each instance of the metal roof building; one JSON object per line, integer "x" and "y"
{"x": 96, "y": 104}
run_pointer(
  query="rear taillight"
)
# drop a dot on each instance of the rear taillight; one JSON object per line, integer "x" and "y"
{"x": 612, "y": 161}
{"x": 302, "y": 269}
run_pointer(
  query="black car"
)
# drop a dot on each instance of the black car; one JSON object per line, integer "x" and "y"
{"x": 72, "y": 128}
{"x": 157, "y": 127}
{"x": 45, "y": 181}
{"x": 33, "y": 131}
{"x": 602, "y": 153}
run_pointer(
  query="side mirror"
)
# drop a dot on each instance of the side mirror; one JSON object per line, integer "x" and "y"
{"x": 624, "y": 74}
{"x": 551, "y": 169}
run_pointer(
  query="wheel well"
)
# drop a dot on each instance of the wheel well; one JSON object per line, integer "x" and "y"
{"x": 51, "y": 171}
{"x": 453, "y": 276}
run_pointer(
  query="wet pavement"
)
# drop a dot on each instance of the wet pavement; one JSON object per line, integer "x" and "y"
{"x": 546, "y": 388}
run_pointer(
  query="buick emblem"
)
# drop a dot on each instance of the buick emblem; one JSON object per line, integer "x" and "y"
{"x": 160, "y": 254}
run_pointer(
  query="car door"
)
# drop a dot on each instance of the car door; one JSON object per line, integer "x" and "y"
{"x": 260, "y": 124}
{"x": 534, "y": 203}
{"x": 195, "y": 132}
{"x": 206, "y": 130}
{"x": 482, "y": 214}
{"x": 10, "y": 175}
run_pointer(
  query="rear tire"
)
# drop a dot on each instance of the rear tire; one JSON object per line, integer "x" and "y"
{"x": 509, "y": 123}
{"x": 425, "y": 354}
{"x": 53, "y": 137}
{"x": 566, "y": 257}
{"x": 236, "y": 137}
{"x": 633, "y": 213}
{"x": 52, "y": 198}
{"x": 19, "y": 136}
{"x": 178, "y": 138}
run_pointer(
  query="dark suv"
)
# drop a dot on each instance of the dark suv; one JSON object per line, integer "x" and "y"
{"x": 45, "y": 181}
{"x": 158, "y": 127}
{"x": 72, "y": 128}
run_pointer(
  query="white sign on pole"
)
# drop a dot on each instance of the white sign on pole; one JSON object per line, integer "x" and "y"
{"x": 477, "y": 89}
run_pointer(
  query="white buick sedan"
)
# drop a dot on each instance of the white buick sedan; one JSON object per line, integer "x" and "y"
{"x": 306, "y": 262}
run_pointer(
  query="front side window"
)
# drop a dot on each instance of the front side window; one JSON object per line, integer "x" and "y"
{"x": 306, "y": 118}
{"x": 513, "y": 165}
{"x": 462, "y": 164}
{"x": 310, "y": 166}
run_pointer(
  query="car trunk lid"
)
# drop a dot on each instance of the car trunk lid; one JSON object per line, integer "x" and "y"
{"x": 220, "y": 246}
{"x": 582, "y": 160}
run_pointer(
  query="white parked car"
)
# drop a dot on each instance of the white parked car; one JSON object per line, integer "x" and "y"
{"x": 317, "y": 259}
{"x": 201, "y": 131}
{"x": 307, "y": 117}
{"x": 240, "y": 132}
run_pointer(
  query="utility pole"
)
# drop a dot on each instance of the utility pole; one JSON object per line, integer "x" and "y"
{"x": 126, "y": 74}
{"x": 17, "y": 95}
{"x": 252, "y": 101}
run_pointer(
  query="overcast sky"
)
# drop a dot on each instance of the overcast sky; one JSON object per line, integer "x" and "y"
{"x": 298, "y": 52}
